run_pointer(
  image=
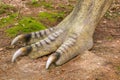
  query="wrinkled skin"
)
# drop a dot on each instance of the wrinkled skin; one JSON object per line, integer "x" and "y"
{"x": 68, "y": 39}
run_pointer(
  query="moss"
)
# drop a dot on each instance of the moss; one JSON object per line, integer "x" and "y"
{"x": 25, "y": 25}
{"x": 112, "y": 15}
{"x": 108, "y": 15}
{"x": 36, "y": 3}
{"x": 109, "y": 38}
{"x": 8, "y": 20}
{"x": 50, "y": 17}
{"x": 4, "y": 8}
{"x": 67, "y": 7}
{"x": 118, "y": 68}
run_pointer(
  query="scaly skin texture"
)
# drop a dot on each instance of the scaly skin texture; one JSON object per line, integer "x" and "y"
{"x": 68, "y": 39}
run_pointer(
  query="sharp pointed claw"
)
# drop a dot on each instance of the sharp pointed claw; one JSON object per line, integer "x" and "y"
{"x": 53, "y": 58}
{"x": 17, "y": 54}
{"x": 20, "y": 52}
{"x": 50, "y": 60}
{"x": 25, "y": 38}
{"x": 16, "y": 39}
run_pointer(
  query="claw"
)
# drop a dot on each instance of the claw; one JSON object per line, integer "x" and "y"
{"x": 26, "y": 38}
{"x": 34, "y": 35}
{"x": 21, "y": 51}
{"x": 53, "y": 58}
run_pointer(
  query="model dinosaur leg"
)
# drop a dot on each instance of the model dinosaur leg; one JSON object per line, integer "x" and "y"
{"x": 72, "y": 36}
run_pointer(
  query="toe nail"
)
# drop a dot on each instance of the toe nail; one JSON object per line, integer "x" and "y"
{"x": 14, "y": 41}
{"x": 18, "y": 53}
{"x": 51, "y": 60}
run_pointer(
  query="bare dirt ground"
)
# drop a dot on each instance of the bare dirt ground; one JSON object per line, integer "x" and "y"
{"x": 101, "y": 63}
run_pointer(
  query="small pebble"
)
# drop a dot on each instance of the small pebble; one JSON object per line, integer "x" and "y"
{"x": 116, "y": 56}
{"x": 105, "y": 22}
{"x": 1, "y": 49}
{"x": 99, "y": 41}
{"x": 117, "y": 41}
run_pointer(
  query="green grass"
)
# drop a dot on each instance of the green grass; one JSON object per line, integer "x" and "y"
{"x": 25, "y": 25}
{"x": 5, "y": 8}
{"x": 10, "y": 19}
{"x": 51, "y": 16}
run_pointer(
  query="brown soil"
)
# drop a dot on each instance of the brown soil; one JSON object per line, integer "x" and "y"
{"x": 101, "y": 63}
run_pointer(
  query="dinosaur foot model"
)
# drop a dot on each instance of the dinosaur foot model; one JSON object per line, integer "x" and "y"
{"x": 68, "y": 39}
{"x": 62, "y": 44}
